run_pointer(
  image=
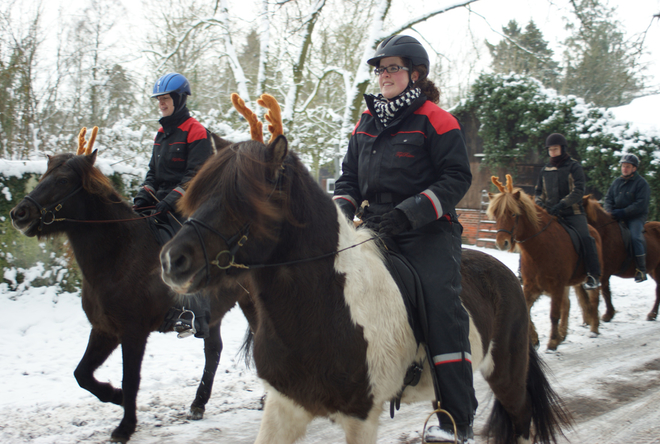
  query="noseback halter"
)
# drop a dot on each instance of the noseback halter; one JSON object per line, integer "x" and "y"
{"x": 515, "y": 225}
{"x": 51, "y": 209}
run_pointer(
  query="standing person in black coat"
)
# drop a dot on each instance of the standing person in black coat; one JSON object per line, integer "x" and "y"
{"x": 407, "y": 158}
{"x": 559, "y": 190}
{"x": 181, "y": 146}
{"x": 628, "y": 200}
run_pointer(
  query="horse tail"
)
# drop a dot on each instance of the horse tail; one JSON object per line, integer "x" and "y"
{"x": 549, "y": 414}
{"x": 245, "y": 352}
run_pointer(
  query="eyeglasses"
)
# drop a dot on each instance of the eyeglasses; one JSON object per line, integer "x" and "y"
{"x": 390, "y": 69}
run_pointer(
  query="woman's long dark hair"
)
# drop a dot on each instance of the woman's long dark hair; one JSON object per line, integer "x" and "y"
{"x": 427, "y": 86}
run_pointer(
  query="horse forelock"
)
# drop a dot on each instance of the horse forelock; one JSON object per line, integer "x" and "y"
{"x": 93, "y": 181}
{"x": 237, "y": 179}
{"x": 502, "y": 204}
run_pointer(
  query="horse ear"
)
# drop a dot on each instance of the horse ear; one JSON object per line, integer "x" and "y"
{"x": 91, "y": 158}
{"x": 516, "y": 195}
{"x": 277, "y": 150}
{"x": 490, "y": 196}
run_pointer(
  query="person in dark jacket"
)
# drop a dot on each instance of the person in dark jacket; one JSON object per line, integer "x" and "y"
{"x": 559, "y": 191}
{"x": 627, "y": 200}
{"x": 407, "y": 157}
{"x": 181, "y": 146}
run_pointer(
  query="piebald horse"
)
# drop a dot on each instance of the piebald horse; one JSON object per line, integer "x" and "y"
{"x": 333, "y": 337}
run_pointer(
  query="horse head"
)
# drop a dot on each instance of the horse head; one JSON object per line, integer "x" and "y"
{"x": 596, "y": 214}
{"x": 57, "y": 195}
{"x": 510, "y": 209}
{"x": 235, "y": 206}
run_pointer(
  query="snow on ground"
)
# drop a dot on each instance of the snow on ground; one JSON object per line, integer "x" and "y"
{"x": 43, "y": 336}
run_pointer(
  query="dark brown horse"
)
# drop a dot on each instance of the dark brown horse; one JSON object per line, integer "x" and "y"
{"x": 614, "y": 260}
{"x": 333, "y": 337}
{"x": 123, "y": 295}
{"x": 549, "y": 262}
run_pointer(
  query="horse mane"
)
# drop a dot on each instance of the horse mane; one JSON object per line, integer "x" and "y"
{"x": 93, "y": 181}
{"x": 236, "y": 177}
{"x": 593, "y": 209}
{"x": 239, "y": 177}
{"x": 512, "y": 200}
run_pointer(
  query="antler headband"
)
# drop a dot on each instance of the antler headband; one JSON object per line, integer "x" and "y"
{"x": 85, "y": 147}
{"x": 273, "y": 116}
{"x": 498, "y": 184}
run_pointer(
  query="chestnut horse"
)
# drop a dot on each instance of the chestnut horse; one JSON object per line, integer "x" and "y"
{"x": 549, "y": 262}
{"x": 122, "y": 293}
{"x": 613, "y": 261}
{"x": 333, "y": 337}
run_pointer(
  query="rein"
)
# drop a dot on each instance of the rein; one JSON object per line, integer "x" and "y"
{"x": 238, "y": 240}
{"x": 515, "y": 225}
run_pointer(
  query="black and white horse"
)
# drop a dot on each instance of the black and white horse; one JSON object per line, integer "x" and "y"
{"x": 332, "y": 336}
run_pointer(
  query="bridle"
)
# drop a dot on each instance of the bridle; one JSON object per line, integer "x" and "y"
{"x": 515, "y": 225}
{"x": 50, "y": 209}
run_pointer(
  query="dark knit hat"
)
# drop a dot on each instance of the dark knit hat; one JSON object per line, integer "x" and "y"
{"x": 555, "y": 139}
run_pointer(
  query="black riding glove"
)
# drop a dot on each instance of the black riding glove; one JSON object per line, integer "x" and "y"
{"x": 556, "y": 209}
{"x": 393, "y": 223}
{"x": 163, "y": 208}
{"x": 618, "y": 214}
{"x": 139, "y": 202}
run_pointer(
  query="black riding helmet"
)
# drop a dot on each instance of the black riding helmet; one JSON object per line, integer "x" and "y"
{"x": 402, "y": 46}
{"x": 557, "y": 139}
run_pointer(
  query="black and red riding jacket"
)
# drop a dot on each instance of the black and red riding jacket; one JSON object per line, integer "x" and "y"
{"x": 419, "y": 161}
{"x": 179, "y": 150}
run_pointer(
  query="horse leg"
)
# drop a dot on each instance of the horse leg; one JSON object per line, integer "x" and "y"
{"x": 283, "y": 421}
{"x": 556, "y": 304}
{"x": 653, "y": 314}
{"x": 565, "y": 311}
{"x": 607, "y": 297}
{"x": 132, "y": 349}
{"x": 593, "y": 310}
{"x": 212, "y": 350}
{"x": 359, "y": 431}
{"x": 531, "y": 295}
{"x": 99, "y": 347}
{"x": 583, "y": 300}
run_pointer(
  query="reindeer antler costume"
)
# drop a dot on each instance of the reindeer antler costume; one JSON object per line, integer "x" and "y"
{"x": 85, "y": 147}
{"x": 273, "y": 116}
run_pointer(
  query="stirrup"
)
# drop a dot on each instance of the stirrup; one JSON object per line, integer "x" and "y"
{"x": 183, "y": 326}
{"x": 591, "y": 283}
{"x": 640, "y": 276}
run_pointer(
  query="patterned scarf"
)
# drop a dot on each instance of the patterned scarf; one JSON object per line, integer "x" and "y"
{"x": 386, "y": 109}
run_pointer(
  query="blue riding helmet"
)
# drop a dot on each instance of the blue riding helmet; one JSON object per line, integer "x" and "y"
{"x": 171, "y": 83}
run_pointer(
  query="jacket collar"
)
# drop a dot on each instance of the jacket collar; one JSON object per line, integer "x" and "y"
{"x": 401, "y": 114}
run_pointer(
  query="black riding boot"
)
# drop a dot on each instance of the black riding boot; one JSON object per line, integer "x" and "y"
{"x": 192, "y": 316}
{"x": 592, "y": 264}
{"x": 640, "y": 265}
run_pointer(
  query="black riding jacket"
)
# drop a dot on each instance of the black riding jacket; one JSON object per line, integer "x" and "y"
{"x": 563, "y": 183}
{"x": 181, "y": 146}
{"x": 419, "y": 160}
{"x": 629, "y": 194}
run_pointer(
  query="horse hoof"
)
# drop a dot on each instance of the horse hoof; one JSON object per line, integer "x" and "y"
{"x": 593, "y": 334}
{"x": 652, "y": 316}
{"x": 607, "y": 317}
{"x": 196, "y": 413}
{"x": 121, "y": 439}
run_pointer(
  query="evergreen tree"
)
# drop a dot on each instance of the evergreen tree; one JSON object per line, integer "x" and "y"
{"x": 601, "y": 66}
{"x": 524, "y": 52}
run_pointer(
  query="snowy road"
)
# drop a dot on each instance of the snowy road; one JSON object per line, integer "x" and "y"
{"x": 611, "y": 384}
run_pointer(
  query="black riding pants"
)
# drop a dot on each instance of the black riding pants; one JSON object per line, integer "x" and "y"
{"x": 579, "y": 223}
{"x": 434, "y": 251}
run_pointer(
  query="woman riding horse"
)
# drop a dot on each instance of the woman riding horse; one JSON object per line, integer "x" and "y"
{"x": 559, "y": 191}
{"x": 407, "y": 158}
